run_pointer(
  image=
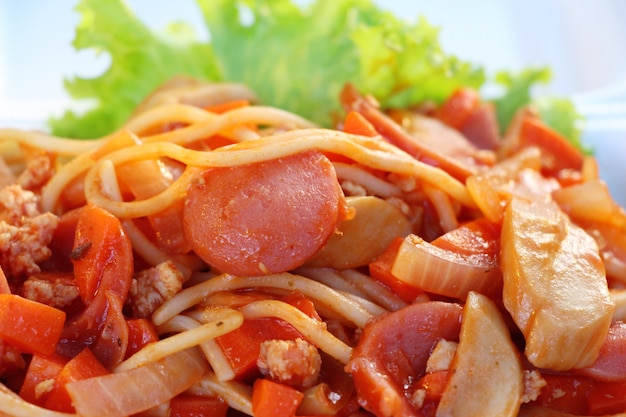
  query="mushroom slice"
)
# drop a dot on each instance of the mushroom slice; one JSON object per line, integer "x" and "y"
{"x": 486, "y": 372}
{"x": 554, "y": 285}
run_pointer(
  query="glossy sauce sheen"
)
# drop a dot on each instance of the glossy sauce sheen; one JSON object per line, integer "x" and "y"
{"x": 265, "y": 217}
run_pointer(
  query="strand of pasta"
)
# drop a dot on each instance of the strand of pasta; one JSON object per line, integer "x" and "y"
{"x": 43, "y": 141}
{"x": 229, "y": 321}
{"x": 618, "y": 296}
{"x": 443, "y": 207}
{"x": 369, "y": 306}
{"x": 379, "y": 294}
{"x": 141, "y": 244}
{"x": 331, "y": 278}
{"x": 258, "y": 115}
{"x": 317, "y": 292}
{"x": 205, "y": 125}
{"x": 12, "y": 405}
{"x": 167, "y": 114}
{"x": 13, "y": 157}
{"x": 213, "y": 353}
{"x": 236, "y": 394}
{"x": 312, "y": 330}
{"x": 357, "y": 283}
{"x": 376, "y": 154}
{"x": 373, "y": 184}
{"x": 52, "y": 190}
{"x": 190, "y": 91}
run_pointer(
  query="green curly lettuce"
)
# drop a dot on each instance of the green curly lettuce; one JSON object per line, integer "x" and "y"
{"x": 294, "y": 57}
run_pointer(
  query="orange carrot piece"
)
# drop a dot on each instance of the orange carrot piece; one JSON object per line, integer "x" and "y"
{"x": 30, "y": 326}
{"x": 227, "y": 106}
{"x": 272, "y": 399}
{"x": 356, "y": 124}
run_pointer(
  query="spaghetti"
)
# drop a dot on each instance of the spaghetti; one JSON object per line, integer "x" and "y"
{"x": 201, "y": 172}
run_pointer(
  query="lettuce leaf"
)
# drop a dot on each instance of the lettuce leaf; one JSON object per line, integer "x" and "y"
{"x": 140, "y": 60}
{"x": 294, "y": 57}
{"x": 557, "y": 112}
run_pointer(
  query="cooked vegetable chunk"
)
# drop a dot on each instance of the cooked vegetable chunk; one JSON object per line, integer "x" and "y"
{"x": 487, "y": 377}
{"x": 554, "y": 285}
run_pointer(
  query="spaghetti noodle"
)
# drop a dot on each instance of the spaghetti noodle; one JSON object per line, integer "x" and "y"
{"x": 139, "y": 221}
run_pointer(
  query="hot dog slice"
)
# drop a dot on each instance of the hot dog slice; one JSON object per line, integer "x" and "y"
{"x": 266, "y": 217}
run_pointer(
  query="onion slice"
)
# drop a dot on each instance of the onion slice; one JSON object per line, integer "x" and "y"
{"x": 445, "y": 272}
{"x": 126, "y": 393}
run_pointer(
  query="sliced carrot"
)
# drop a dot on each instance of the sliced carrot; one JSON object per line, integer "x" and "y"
{"x": 141, "y": 332}
{"x": 4, "y": 283}
{"x": 356, "y": 124}
{"x": 227, "y": 106}
{"x": 29, "y": 325}
{"x": 558, "y": 152}
{"x": 102, "y": 254}
{"x": 478, "y": 237}
{"x": 241, "y": 347}
{"x": 434, "y": 384}
{"x": 301, "y": 302}
{"x": 82, "y": 366}
{"x": 272, "y": 399}
{"x": 380, "y": 270}
{"x": 185, "y": 405}
{"x": 42, "y": 371}
{"x": 459, "y": 107}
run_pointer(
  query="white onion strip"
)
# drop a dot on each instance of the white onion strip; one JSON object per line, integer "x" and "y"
{"x": 139, "y": 389}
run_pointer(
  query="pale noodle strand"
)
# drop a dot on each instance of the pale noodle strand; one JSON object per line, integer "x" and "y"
{"x": 110, "y": 186}
{"x": 144, "y": 247}
{"x": 167, "y": 114}
{"x": 213, "y": 353}
{"x": 356, "y": 283}
{"x": 313, "y": 330}
{"x": 43, "y": 141}
{"x": 331, "y": 278}
{"x": 443, "y": 207}
{"x": 260, "y": 115}
{"x": 369, "y": 306}
{"x": 206, "y": 124}
{"x": 317, "y": 292}
{"x": 207, "y": 94}
{"x": 141, "y": 244}
{"x": 236, "y": 394}
{"x": 227, "y": 322}
{"x": 12, "y": 405}
{"x": 243, "y": 134}
{"x": 378, "y": 293}
{"x": 376, "y": 154}
{"x": 373, "y": 184}
{"x": 619, "y": 298}
{"x": 192, "y": 92}
{"x": 54, "y": 188}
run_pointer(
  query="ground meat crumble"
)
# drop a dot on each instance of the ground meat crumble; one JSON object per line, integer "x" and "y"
{"x": 151, "y": 287}
{"x": 25, "y": 232}
{"x": 292, "y": 362}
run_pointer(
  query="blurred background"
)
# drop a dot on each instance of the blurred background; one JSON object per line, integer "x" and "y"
{"x": 584, "y": 42}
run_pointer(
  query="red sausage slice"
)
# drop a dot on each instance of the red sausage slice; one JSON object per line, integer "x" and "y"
{"x": 392, "y": 353}
{"x": 266, "y": 217}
